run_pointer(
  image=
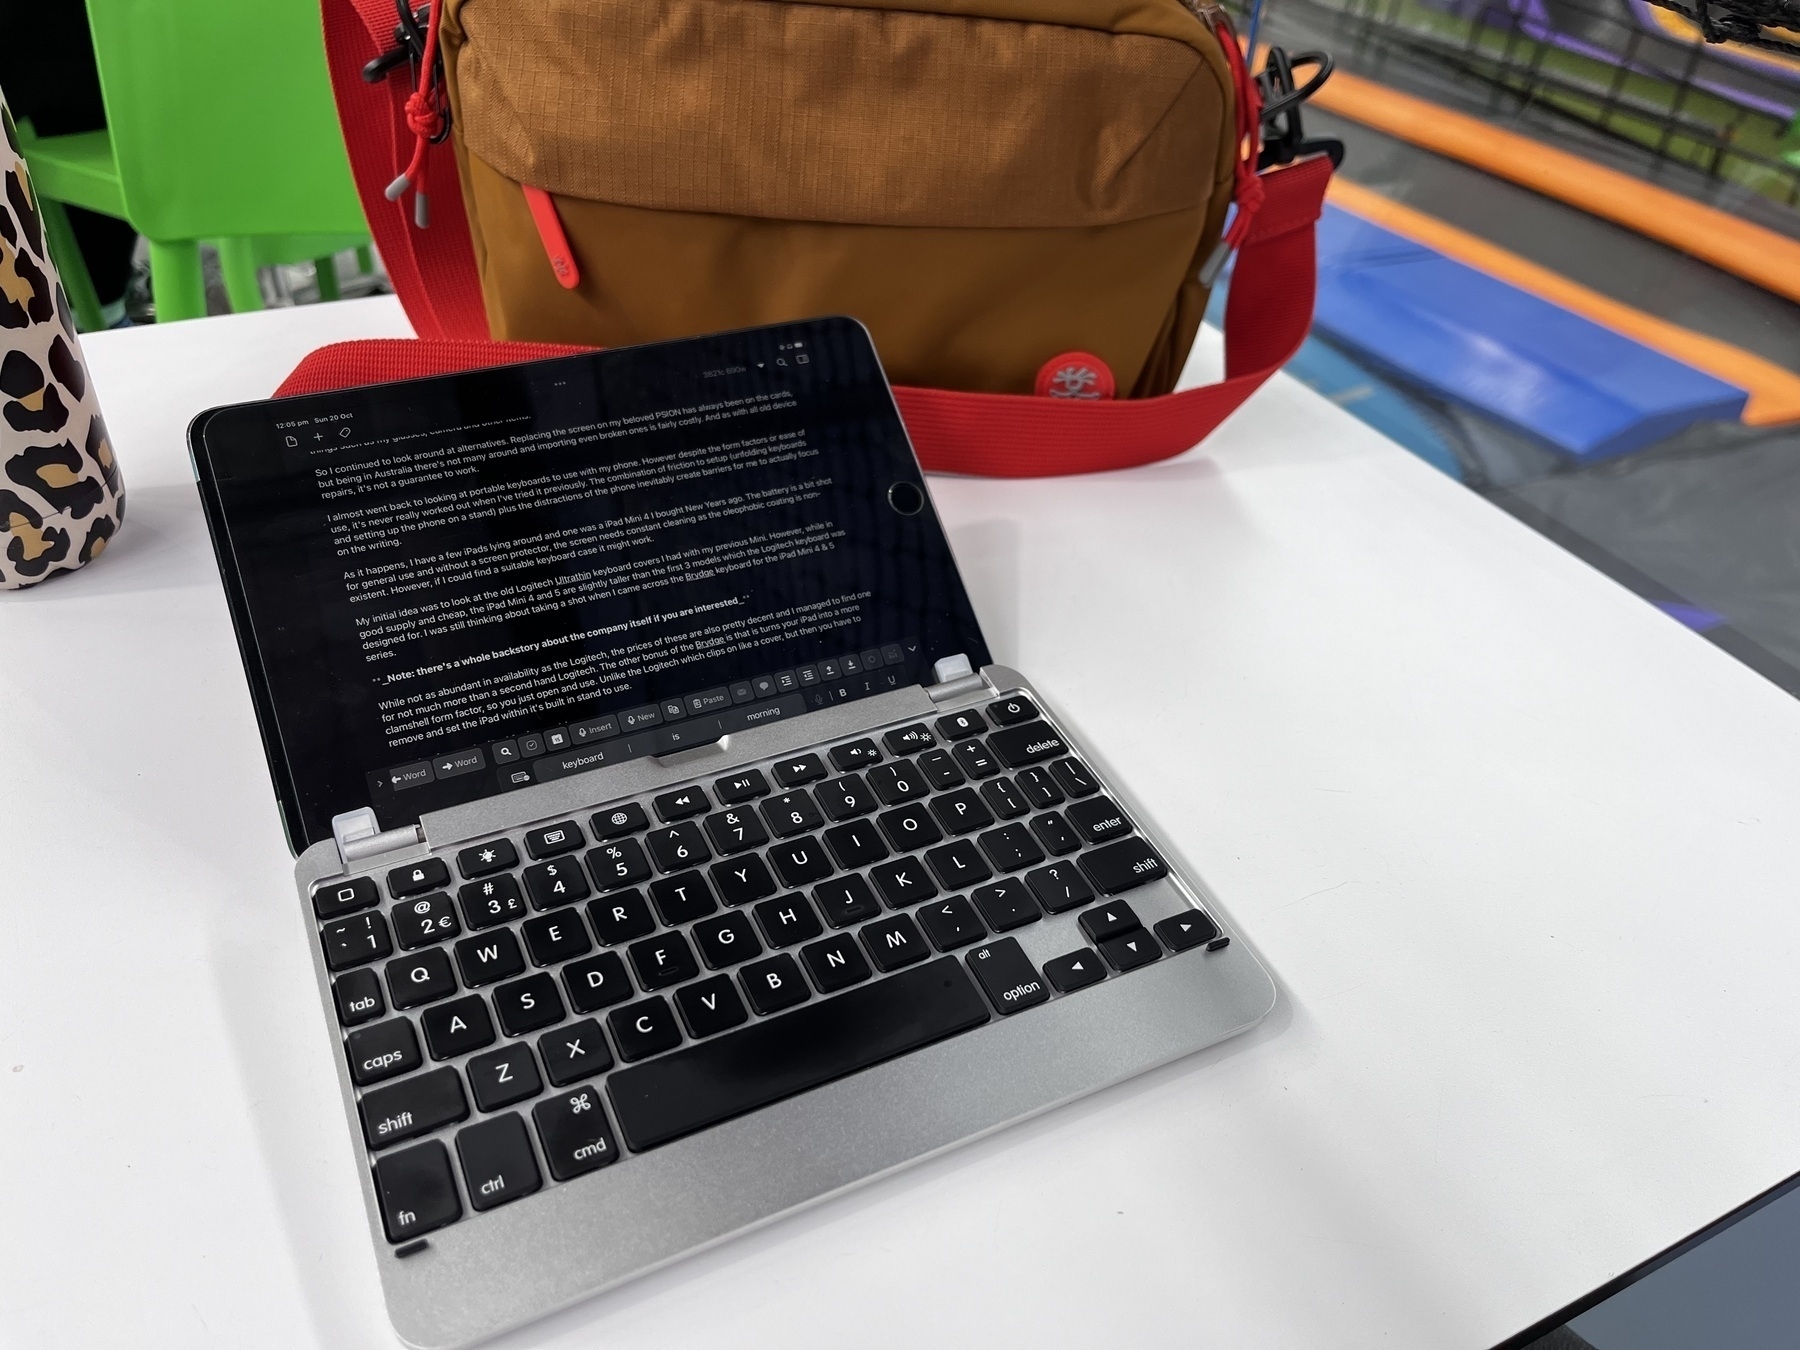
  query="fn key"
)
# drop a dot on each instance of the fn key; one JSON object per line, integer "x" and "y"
{"x": 417, "y": 1191}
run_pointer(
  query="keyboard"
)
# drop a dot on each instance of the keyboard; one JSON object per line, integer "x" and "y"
{"x": 530, "y": 1007}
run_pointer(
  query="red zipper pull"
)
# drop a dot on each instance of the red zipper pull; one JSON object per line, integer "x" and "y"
{"x": 427, "y": 111}
{"x": 1247, "y": 188}
{"x": 550, "y": 230}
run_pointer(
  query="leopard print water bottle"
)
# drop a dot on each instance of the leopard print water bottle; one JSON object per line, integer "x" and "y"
{"x": 61, "y": 498}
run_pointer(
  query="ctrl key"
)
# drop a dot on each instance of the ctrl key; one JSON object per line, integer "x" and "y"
{"x": 497, "y": 1161}
{"x": 417, "y": 1192}
{"x": 574, "y": 1133}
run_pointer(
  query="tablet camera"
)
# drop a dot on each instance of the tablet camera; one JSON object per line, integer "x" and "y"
{"x": 906, "y": 498}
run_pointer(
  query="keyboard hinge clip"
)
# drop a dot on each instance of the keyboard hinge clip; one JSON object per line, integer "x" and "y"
{"x": 954, "y": 676}
{"x": 360, "y": 836}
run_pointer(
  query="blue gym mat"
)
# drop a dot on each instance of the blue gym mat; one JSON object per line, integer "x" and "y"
{"x": 1472, "y": 339}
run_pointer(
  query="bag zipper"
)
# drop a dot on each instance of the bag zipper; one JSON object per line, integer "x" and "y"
{"x": 550, "y": 231}
{"x": 1247, "y": 188}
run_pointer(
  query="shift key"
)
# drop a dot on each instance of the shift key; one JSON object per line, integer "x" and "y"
{"x": 413, "y": 1106}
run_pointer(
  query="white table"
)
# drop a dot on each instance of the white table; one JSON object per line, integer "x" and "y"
{"x": 1520, "y": 850}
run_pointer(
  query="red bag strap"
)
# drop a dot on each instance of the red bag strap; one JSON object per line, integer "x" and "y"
{"x": 1267, "y": 313}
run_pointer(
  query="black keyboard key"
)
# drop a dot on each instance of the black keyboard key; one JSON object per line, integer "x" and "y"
{"x": 975, "y": 760}
{"x": 903, "y": 882}
{"x": 553, "y": 884}
{"x": 846, "y": 900}
{"x": 897, "y": 783}
{"x": 958, "y": 864}
{"x": 358, "y": 996}
{"x": 529, "y": 1004}
{"x": 490, "y": 957}
{"x": 620, "y": 917}
{"x": 909, "y": 740}
{"x": 940, "y": 770}
{"x": 678, "y": 847}
{"x": 1183, "y": 932}
{"x": 910, "y": 827}
{"x": 857, "y": 844}
{"x": 1097, "y": 820}
{"x": 504, "y": 1076}
{"x": 1128, "y": 951}
{"x": 736, "y": 829}
{"x": 428, "y": 874}
{"x": 1039, "y": 787}
{"x": 350, "y": 942}
{"x": 644, "y": 1028}
{"x": 961, "y": 811}
{"x": 1059, "y": 886}
{"x": 1003, "y": 799}
{"x": 800, "y": 769}
{"x": 1031, "y": 743}
{"x": 791, "y": 813}
{"x": 1006, "y": 904}
{"x": 711, "y": 1006}
{"x": 1011, "y": 711}
{"x": 413, "y": 1106}
{"x": 574, "y": 1052}
{"x": 620, "y": 863}
{"x": 554, "y": 840}
{"x": 596, "y": 983}
{"x": 845, "y": 798}
{"x": 1073, "y": 776}
{"x": 497, "y": 1162}
{"x": 382, "y": 1051}
{"x": 894, "y": 942}
{"x": 683, "y": 898}
{"x": 663, "y": 960}
{"x": 1007, "y": 976}
{"x": 332, "y": 898}
{"x": 950, "y": 923}
{"x": 741, "y": 787}
{"x": 682, "y": 803}
{"x": 457, "y": 1027}
{"x": 1011, "y": 848}
{"x": 1075, "y": 971}
{"x": 573, "y": 1130}
{"x": 556, "y": 937}
{"x": 836, "y": 963}
{"x": 491, "y": 901}
{"x": 767, "y": 1061}
{"x": 954, "y": 726}
{"x": 741, "y": 880}
{"x": 1054, "y": 833}
{"x": 774, "y": 984}
{"x": 1109, "y": 920}
{"x": 856, "y": 755}
{"x": 800, "y": 862}
{"x": 615, "y": 821}
{"x": 418, "y": 1193}
{"x": 424, "y": 978}
{"x": 478, "y": 860}
{"x": 1121, "y": 866}
{"x": 787, "y": 921}
{"x": 726, "y": 940}
{"x": 419, "y": 923}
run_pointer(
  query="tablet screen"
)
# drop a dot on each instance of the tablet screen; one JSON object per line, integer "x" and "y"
{"x": 459, "y": 586}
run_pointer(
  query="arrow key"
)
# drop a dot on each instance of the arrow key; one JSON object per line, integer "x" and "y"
{"x": 1075, "y": 971}
{"x": 1128, "y": 951}
{"x": 1182, "y": 931}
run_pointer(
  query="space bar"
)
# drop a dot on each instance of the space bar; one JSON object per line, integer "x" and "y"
{"x": 715, "y": 1080}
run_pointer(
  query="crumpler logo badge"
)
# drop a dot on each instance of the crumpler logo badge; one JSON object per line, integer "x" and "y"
{"x": 1075, "y": 375}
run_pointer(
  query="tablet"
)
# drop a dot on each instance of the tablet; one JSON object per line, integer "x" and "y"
{"x": 453, "y": 587}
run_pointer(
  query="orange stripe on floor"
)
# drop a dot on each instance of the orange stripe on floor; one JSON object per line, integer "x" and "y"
{"x": 1770, "y": 260}
{"x": 1774, "y": 392}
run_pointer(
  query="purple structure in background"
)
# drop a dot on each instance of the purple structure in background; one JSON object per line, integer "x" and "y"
{"x": 1571, "y": 30}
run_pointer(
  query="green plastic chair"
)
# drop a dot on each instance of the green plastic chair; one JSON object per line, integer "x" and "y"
{"x": 220, "y": 127}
